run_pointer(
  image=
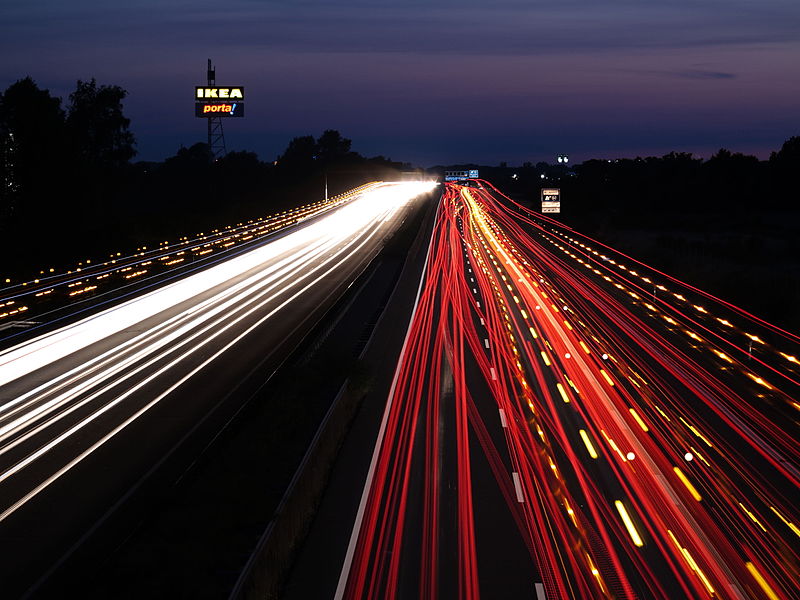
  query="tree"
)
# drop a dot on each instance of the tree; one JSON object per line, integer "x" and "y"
{"x": 32, "y": 153}
{"x": 195, "y": 158}
{"x": 789, "y": 154}
{"x": 299, "y": 154}
{"x": 785, "y": 170}
{"x": 97, "y": 126}
{"x": 331, "y": 145}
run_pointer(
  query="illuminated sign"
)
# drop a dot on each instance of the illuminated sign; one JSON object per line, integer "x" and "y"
{"x": 219, "y": 93}
{"x": 219, "y": 109}
{"x": 551, "y": 200}
{"x": 457, "y": 175}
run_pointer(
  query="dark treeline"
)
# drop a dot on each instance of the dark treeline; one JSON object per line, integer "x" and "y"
{"x": 70, "y": 190}
{"x": 729, "y": 224}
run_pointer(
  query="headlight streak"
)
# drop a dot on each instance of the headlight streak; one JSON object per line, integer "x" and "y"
{"x": 331, "y": 241}
{"x": 241, "y": 231}
{"x": 155, "y": 340}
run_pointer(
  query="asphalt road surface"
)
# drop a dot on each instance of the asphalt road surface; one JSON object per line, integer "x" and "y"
{"x": 91, "y": 411}
{"x": 566, "y": 422}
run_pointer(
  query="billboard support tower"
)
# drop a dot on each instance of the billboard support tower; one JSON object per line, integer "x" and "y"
{"x": 216, "y": 137}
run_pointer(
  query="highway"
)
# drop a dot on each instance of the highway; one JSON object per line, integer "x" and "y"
{"x": 566, "y": 422}
{"x": 91, "y": 410}
{"x": 55, "y": 297}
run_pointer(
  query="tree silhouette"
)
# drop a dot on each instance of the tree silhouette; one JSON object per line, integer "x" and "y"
{"x": 789, "y": 154}
{"x": 32, "y": 147}
{"x": 97, "y": 127}
{"x": 299, "y": 154}
{"x": 332, "y": 146}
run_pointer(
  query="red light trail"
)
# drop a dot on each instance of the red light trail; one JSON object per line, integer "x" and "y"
{"x": 643, "y": 434}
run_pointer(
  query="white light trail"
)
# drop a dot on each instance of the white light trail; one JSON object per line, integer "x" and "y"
{"x": 301, "y": 260}
{"x": 29, "y": 356}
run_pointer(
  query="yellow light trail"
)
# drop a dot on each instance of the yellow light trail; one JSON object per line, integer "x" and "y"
{"x": 588, "y": 443}
{"x": 639, "y": 420}
{"x": 752, "y": 517}
{"x": 626, "y": 519}
{"x": 563, "y": 393}
{"x": 688, "y": 557}
{"x": 692, "y": 490}
{"x": 614, "y": 446}
{"x": 789, "y": 524}
{"x": 761, "y": 581}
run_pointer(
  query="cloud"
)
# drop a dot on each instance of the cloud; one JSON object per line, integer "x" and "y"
{"x": 438, "y": 27}
{"x": 689, "y": 74}
{"x": 700, "y": 74}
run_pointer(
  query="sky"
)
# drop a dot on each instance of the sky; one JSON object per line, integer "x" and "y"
{"x": 436, "y": 82}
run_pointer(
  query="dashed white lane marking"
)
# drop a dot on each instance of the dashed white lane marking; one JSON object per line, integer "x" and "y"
{"x": 518, "y": 487}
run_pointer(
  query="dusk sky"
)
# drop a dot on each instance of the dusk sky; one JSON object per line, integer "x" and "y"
{"x": 435, "y": 82}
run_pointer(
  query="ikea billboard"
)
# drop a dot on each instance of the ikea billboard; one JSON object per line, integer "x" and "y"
{"x": 218, "y": 101}
{"x": 219, "y": 109}
{"x": 208, "y": 92}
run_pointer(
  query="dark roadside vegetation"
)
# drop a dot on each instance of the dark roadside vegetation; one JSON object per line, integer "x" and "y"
{"x": 70, "y": 189}
{"x": 729, "y": 225}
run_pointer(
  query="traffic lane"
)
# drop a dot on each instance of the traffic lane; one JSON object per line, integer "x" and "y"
{"x": 109, "y": 471}
{"x": 177, "y": 367}
{"x": 319, "y": 562}
{"x": 379, "y": 545}
{"x": 153, "y": 307}
{"x": 166, "y": 340}
{"x": 435, "y": 461}
{"x": 726, "y": 387}
{"x": 166, "y": 261}
{"x": 724, "y": 478}
{"x": 505, "y": 551}
{"x": 13, "y": 369}
{"x": 117, "y": 469}
{"x": 772, "y": 404}
{"x": 551, "y": 416}
{"x": 505, "y": 564}
{"x": 566, "y": 445}
{"x": 553, "y": 427}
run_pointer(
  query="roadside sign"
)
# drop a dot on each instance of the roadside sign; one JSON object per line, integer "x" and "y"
{"x": 551, "y": 200}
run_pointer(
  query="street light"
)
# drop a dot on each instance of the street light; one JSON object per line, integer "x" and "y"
{"x": 563, "y": 159}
